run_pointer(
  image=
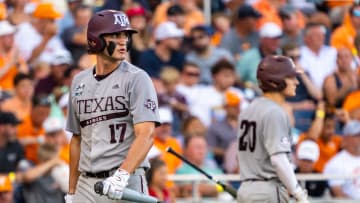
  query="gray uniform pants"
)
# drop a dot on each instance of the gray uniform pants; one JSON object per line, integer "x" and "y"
{"x": 85, "y": 188}
{"x": 271, "y": 191}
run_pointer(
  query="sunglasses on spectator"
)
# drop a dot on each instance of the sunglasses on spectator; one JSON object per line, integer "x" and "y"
{"x": 193, "y": 74}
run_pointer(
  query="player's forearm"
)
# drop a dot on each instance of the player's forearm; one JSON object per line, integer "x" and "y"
{"x": 140, "y": 147}
{"x": 285, "y": 171}
{"x": 74, "y": 162}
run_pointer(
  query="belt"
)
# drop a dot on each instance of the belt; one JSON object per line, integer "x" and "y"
{"x": 108, "y": 173}
{"x": 259, "y": 179}
{"x": 101, "y": 174}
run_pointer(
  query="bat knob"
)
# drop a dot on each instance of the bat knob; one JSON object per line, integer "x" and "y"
{"x": 98, "y": 187}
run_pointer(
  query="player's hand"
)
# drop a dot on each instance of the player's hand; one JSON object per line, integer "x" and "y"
{"x": 68, "y": 198}
{"x": 115, "y": 184}
{"x": 301, "y": 195}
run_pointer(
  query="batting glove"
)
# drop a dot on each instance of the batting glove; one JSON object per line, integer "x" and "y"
{"x": 114, "y": 185}
{"x": 301, "y": 195}
{"x": 68, "y": 198}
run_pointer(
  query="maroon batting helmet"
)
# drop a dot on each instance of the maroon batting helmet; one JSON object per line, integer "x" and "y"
{"x": 106, "y": 22}
{"x": 272, "y": 71}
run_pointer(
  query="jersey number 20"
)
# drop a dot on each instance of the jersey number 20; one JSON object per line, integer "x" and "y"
{"x": 121, "y": 128}
{"x": 248, "y": 136}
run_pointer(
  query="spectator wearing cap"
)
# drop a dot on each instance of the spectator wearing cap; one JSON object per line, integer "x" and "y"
{"x": 318, "y": 59}
{"x": 346, "y": 162}
{"x": 11, "y": 150}
{"x": 307, "y": 153}
{"x": 163, "y": 138}
{"x": 222, "y": 133}
{"x": 60, "y": 62}
{"x": 6, "y": 190}
{"x": 142, "y": 40}
{"x": 74, "y": 37}
{"x": 244, "y": 34}
{"x": 37, "y": 39}
{"x": 20, "y": 102}
{"x": 68, "y": 19}
{"x": 203, "y": 53}
{"x": 10, "y": 60}
{"x": 344, "y": 35}
{"x": 193, "y": 16}
{"x": 31, "y": 131}
{"x": 166, "y": 51}
{"x": 175, "y": 13}
{"x": 292, "y": 31}
{"x": 269, "y": 44}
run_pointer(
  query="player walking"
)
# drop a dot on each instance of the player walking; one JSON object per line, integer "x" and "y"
{"x": 264, "y": 138}
{"x": 112, "y": 115}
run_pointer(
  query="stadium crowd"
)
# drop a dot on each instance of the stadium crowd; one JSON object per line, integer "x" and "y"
{"x": 204, "y": 74}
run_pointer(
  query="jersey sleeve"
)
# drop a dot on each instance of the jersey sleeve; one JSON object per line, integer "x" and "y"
{"x": 276, "y": 133}
{"x": 143, "y": 99}
{"x": 72, "y": 121}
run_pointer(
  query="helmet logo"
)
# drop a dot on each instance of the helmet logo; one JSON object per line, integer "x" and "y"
{"x": 121, "y": 19}
{"x": 92, "y": 43}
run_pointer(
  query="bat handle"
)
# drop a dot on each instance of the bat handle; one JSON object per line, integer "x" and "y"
{"x": 98, "y": 187}
{"x": 232, "y": 191}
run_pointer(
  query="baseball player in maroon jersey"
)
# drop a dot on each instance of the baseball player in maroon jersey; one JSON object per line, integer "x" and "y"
{"x": 112, "y": 115}
{"x": 265, "y": 138}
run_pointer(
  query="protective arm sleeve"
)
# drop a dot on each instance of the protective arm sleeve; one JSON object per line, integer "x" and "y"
{"x": 285, "y": 171}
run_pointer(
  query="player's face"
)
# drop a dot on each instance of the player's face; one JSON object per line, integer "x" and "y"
{"x": 120, "y": 40}
{"x": 290, "y": 89}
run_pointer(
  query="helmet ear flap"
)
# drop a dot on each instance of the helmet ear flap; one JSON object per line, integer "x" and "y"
{"x": 95, "y": 44}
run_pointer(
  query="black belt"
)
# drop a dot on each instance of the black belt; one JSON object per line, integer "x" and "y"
{"x": 259, "y": 179}
{"x": 105, "y": 174}
{"x": 101, "y": 174}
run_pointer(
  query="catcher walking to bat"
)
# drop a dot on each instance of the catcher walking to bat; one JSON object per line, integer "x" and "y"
{"x": 265, "y": 140}
{"x": 112, "y": 115}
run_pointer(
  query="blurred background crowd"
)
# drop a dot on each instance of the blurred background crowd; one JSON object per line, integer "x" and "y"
{"x": 204, "y": 70}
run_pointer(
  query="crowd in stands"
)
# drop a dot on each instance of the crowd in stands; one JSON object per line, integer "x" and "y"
{"x": 204, "y": 74}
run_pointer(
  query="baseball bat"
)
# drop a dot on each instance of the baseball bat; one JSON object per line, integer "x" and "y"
{"x": 232, "y": 191}
{"x": 129, "y": 195}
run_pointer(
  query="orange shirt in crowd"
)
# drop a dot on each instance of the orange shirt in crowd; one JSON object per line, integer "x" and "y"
{"x": 3, "y": 11}
{"x": 65, "y": 153}
{"x": 16, "y": 106}
{"x": 192, "y": 18}
{"x": 7, "y": 80}
{"x": 352, "y": 101}
{"x": 270, "y": 14}
{"x": 344, "y": 35}
{"x": 333, "y": 4}
{"x": 327, "y": 150}
{"x": 170, "y": 160}
{"x": 27, "y": 130}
